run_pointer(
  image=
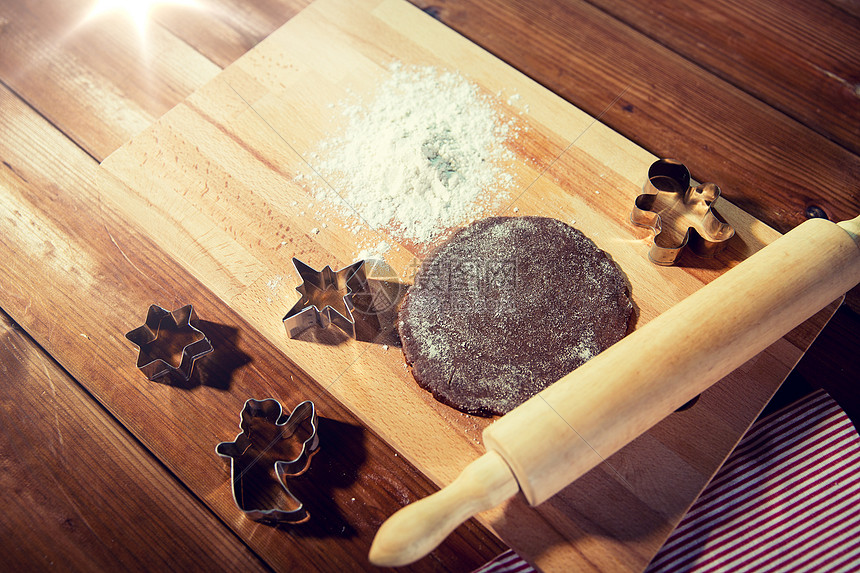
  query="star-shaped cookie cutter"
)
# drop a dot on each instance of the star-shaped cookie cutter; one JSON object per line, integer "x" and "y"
{"x": 169, "y": 343}
{"x": 680, "y": 215}
{"x": 266, "y": 433}
{"x": 327, "y": 298}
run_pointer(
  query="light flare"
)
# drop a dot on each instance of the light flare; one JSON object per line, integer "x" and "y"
{"x": 138, "y": 11}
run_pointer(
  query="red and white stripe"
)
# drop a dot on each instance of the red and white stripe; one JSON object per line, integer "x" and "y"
{"x": 788, "y": 499}
{"x": 507, "y": 562}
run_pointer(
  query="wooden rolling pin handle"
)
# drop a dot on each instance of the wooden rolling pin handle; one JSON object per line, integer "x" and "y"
{"x": 483, "y": 484}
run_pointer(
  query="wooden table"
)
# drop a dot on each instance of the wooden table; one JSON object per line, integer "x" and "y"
{"x": 762, "y": 98}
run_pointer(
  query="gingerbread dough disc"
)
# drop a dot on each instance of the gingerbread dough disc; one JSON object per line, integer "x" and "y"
{"x": 508, "y": 306}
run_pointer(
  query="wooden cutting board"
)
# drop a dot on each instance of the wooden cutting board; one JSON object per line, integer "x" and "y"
{"x": 213, "y": 183}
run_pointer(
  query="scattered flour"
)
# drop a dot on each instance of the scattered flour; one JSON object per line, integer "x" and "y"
{"x": 375, "y": 252}
{"x": 273, "y": 284}
{"x": 425, "y": 154}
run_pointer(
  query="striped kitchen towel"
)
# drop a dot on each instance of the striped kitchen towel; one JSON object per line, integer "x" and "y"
{"x": 787, "y": 499}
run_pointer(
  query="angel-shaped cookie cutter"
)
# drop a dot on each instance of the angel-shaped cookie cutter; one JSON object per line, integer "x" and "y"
{"x": 680, "y": 215}
{"x": 266, "y": 433}
{"x": 327, "y": 298}
{"x": 169, "y": 342}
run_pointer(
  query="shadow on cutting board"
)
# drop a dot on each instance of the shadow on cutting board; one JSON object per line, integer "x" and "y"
{"x": 216, "y": 369}
{"x": 628, "y": 498}
{"x": 323, "y": 488}
{"x": 375, "y": 316}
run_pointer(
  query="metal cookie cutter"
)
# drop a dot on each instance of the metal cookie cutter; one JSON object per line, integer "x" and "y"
{"x": 169, "y": 343}
{"x": 679, "y": 215}
{"x": 271, "y": 440}
{"x": 327, "y": 298}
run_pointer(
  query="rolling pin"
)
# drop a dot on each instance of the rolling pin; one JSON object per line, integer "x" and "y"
{"x": 575, "y": 424}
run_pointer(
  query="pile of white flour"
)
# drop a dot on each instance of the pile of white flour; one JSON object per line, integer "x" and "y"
{"x": 425, "y": 154}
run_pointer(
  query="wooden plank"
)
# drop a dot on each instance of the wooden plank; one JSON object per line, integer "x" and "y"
{"x": 101, "y": 81}
{"x": 98, "y": 81}
{"x": 223, "y": 30}
{"x": 81, "y": 492}
{"x": 216, "y": 182}
{"x": 799, "y": 57}
{"x": 850, "y": 7}
{"x": 77, "y": 277}
{"x": 767, "y": 163}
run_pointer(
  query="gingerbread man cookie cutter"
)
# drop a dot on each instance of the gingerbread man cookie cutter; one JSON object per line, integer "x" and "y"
{"x": 679, "y": 214}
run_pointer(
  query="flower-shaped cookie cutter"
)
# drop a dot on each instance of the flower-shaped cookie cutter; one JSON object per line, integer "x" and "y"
{"x": 169, "y": 342}
{"x": 327, "y": 298}
{"x": 680, "y": 215}
{"x": 271, "y": 441}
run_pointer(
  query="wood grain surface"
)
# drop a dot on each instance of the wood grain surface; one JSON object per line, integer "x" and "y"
{"x": 84, "y": 277}
{"x": 815, "y": 76}
{"x": 675, "y": 106}
{"x": 74, "y": 477}
{"x": 91, "y": 80}
{"x": 71, "y": 95}
{"x": 214, "y": 180}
